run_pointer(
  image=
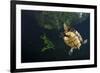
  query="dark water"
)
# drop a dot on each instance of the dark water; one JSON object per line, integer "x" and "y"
{"x": 31, "y": 44}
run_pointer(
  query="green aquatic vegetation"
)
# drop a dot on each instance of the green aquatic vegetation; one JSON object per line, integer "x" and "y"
{"x": 55, "y": 20}
{"x": 48, "y": 44}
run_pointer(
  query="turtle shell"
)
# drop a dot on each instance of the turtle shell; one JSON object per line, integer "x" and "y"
{"x": 72, "y": 40}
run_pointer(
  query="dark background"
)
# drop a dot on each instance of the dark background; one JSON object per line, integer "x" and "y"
{"x": 31, "y": 44}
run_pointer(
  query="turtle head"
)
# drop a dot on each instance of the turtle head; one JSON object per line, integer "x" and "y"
{"x": 66, "y": 27}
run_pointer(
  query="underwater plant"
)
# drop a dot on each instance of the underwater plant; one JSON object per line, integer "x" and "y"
{"x": 54, "y": 20}
{"x": 47, "y": 43}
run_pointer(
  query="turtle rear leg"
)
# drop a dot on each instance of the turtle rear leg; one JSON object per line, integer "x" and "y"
{"x": 85, "y": 41}
{"x": 71, "y": 51}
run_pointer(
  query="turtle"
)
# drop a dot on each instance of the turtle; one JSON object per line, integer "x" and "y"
{"x": 72, "y": 38}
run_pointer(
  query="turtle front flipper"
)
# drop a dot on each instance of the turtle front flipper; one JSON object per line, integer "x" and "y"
{"x": 79, "y": 36}
{"x": 71, "y": 51}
